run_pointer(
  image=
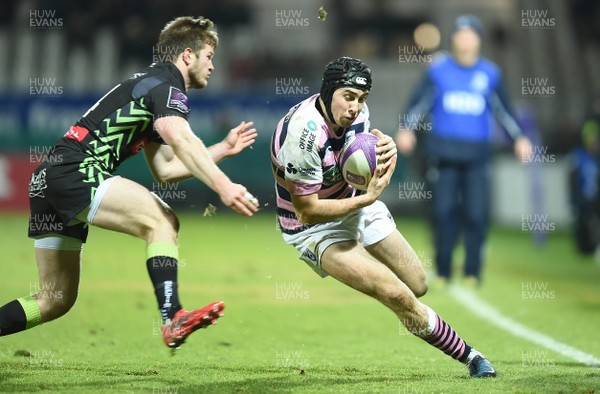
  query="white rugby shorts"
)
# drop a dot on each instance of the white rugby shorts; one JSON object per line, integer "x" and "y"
{"x": 367, "y": 225}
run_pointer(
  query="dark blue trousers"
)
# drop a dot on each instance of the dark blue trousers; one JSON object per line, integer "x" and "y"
{"x": 460, "y": 194}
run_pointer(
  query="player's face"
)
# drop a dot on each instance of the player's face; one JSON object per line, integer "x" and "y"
{"x": 202, "y": 67}
{"x": 346, "y": 104}
{"x": 466, "y": 41}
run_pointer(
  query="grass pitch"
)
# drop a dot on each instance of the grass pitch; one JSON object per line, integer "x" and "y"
{"x": 287, "y": 330}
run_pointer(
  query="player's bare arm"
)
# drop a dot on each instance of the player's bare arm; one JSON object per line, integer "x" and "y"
{"x": 166, "y": 166}
{"x": 190, "y": 150}
{"x": 310, "y": 209}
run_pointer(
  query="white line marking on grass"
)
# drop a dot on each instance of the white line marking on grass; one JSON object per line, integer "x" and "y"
{"x": 481, "y": 308}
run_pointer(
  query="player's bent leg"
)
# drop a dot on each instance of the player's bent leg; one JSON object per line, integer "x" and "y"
{"x": 130, "y": 208}
{"x": 397, "y": 254}
{"x": 352, "y": 265}
{"x": 125, "y": 206}
{"x": 58, "y": 259}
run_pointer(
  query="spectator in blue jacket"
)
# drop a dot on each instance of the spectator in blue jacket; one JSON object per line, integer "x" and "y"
{"x": 458, "y": 93}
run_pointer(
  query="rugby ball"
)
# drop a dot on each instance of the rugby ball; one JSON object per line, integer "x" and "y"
{"x": 358, "y": 160}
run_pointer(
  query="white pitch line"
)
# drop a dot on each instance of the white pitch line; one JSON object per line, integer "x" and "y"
{"x": 481, "y": 308}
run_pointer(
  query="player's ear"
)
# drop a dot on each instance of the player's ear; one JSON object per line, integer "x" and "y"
{"x": 186, "y": 56}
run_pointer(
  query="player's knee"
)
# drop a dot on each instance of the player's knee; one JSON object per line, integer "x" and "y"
{"x": 159, "y": 224}
{"x": 420, "y": 288}
{"x": 163, "y": 219}
{"x": 168, "y": 224}
{"x": 167, "y": 213}
{"x": 419, "y": 284}
{"x": 173, "y": 220}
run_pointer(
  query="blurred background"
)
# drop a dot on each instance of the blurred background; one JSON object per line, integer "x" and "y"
{"x": 59, "y": 57}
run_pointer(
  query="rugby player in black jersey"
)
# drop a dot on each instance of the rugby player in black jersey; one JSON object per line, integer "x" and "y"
{"x": 76, "y": 188}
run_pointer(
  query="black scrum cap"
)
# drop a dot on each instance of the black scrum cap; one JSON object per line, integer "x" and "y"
{"x": 344, "y": 71}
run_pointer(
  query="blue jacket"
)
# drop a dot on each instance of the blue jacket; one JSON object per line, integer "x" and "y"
{"x": 460, "y": 102}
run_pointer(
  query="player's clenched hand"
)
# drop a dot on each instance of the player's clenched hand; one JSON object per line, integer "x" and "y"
{"x": 385, "y": 148}
{"x": 239, "y": 138}
{"x": 381, "y": 179}
{"x": 236, "y": 197}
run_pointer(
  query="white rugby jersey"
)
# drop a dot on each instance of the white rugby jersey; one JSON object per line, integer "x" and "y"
{"x": 305, "y": 152}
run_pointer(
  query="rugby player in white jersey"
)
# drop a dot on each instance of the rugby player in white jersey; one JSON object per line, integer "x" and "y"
{"x": 345, "y": 233}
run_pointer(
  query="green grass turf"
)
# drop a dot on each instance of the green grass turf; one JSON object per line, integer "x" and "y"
{"x": 287, "y": 330}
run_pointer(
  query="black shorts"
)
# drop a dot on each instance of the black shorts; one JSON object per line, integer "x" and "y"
{"x": 61, "y": 188}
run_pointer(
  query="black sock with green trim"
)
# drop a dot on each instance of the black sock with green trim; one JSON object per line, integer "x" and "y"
{"x": 162, "y": 267}
{"x": 19, "y": 315}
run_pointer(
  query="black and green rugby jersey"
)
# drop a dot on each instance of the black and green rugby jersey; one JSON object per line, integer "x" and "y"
{"x": 120, "y": 124}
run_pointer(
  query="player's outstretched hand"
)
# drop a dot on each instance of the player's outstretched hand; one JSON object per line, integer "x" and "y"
{"x": 239, "y": 138}
{"x": 237, "y": 197}
{"x": 381, "y": 179}
{"x": 385, "y": 148}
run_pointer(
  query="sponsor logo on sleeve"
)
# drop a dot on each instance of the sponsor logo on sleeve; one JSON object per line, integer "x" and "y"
{"x": 77, "y": 133}
{"x": 178, "y": 100}
{"x": 303, "y": 171}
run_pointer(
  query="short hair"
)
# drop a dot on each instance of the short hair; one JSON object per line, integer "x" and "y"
{"x": 186, "y": 32}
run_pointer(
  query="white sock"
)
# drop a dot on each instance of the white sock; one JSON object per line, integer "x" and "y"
{"x": 432, "y": 319}
{"x": 472, "y": 355}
